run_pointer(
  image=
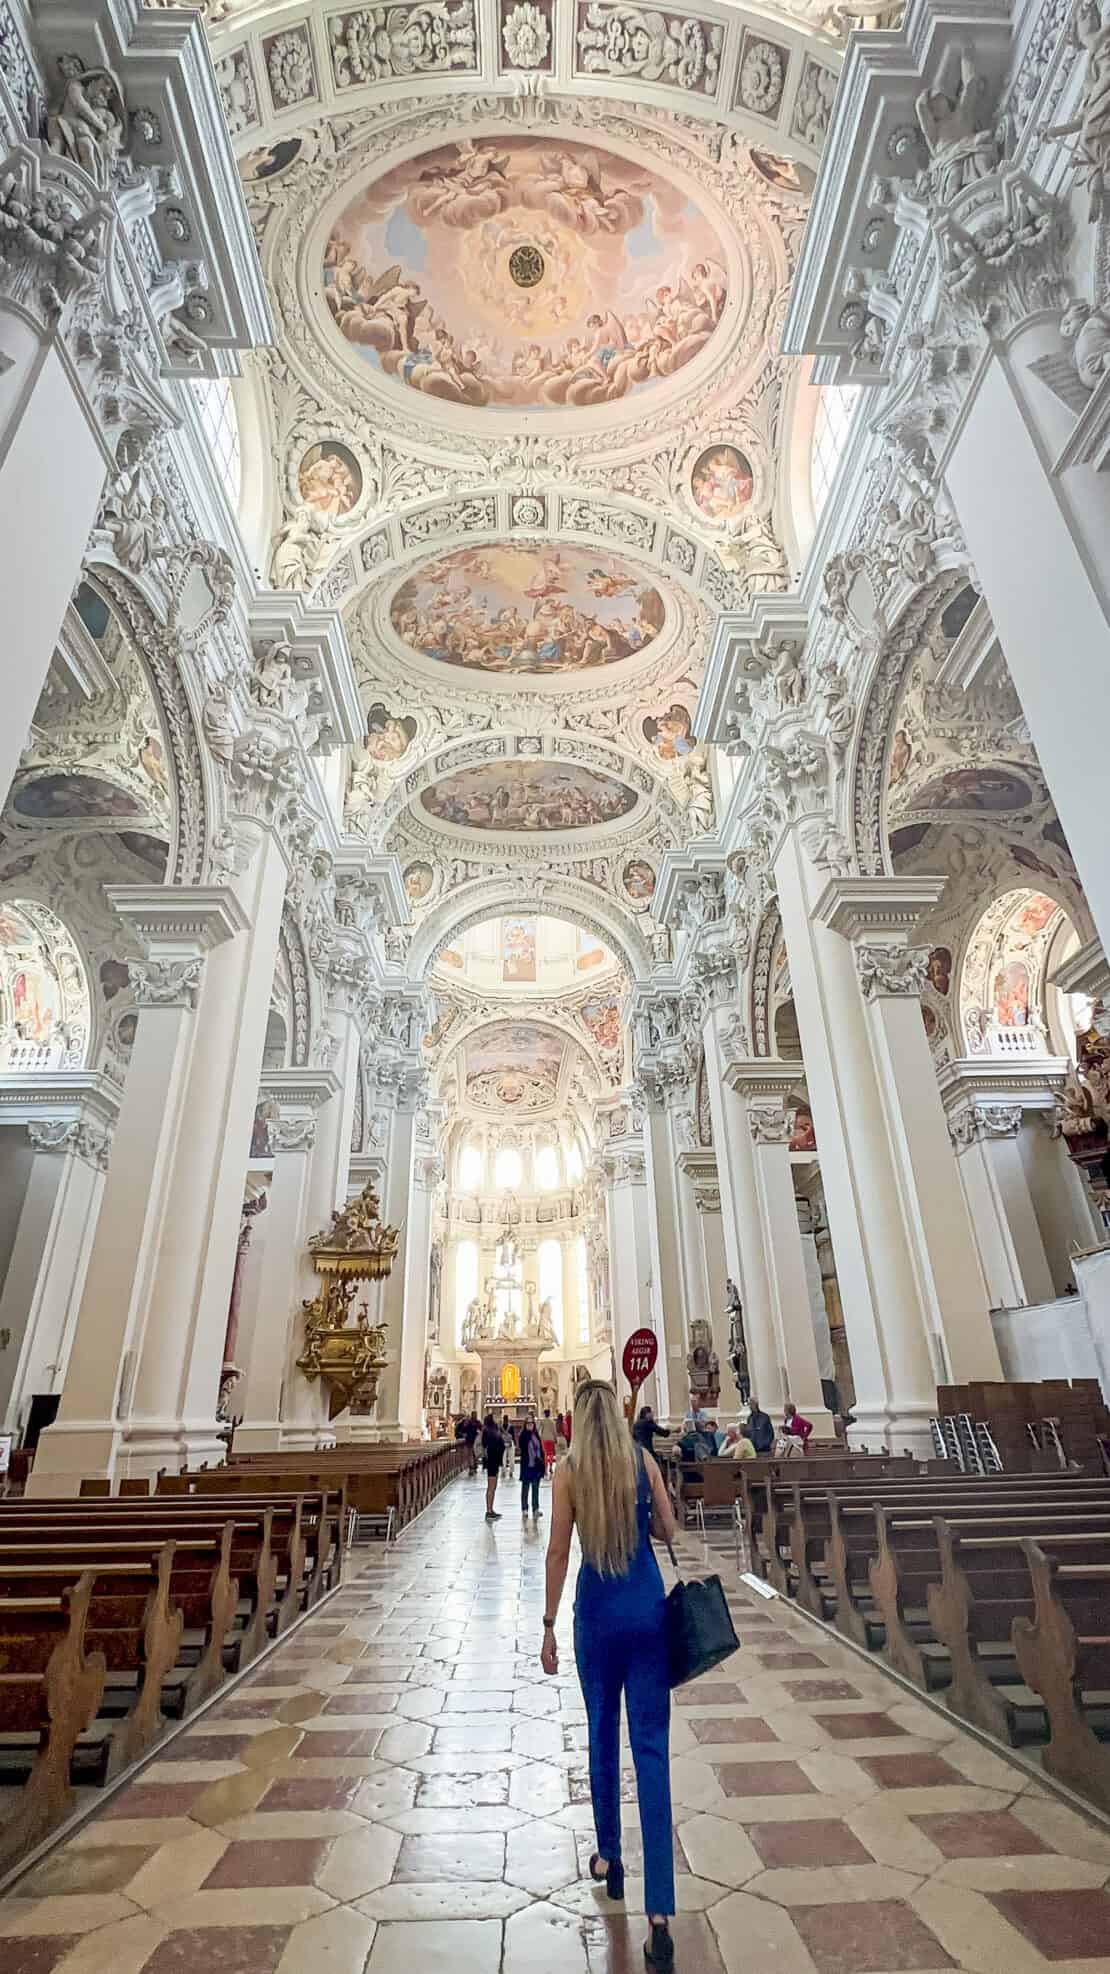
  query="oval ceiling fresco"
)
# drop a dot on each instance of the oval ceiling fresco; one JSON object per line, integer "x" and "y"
{"x": 527, "y": 796}
{"x": 525, "y": 273}
{"x": 531, "y": 610}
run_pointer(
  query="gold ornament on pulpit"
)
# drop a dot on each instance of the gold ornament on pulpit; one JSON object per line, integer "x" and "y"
{"x": 348, "y": 1357}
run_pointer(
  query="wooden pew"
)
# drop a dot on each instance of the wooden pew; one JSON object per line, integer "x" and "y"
{"x": 50, "y": 1691}
{"x": 985, "y": 1586}
{"x": 1064, "y": 1655}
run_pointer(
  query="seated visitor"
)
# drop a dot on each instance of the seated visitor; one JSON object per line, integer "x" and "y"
{"x": 794, "y": 1426}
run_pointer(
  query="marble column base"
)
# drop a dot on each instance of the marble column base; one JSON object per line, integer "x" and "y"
{"x": 903, "y": 1428}
{"x": 84, "y": 1449}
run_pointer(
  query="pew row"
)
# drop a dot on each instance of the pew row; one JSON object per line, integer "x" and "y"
{"x": 121, "y": 1616}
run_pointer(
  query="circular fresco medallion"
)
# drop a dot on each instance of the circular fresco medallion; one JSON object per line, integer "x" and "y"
{"x": 418, "y": 879}
{"x": 528, "y": 797}
{"x": 526, "y": 265}
{"x": 722, "y": 483}
{"x": 525, "y": 272}
{"x": 270, "y": 161}
{"x": 330, "y": 478}
{"x": 783, "y": 173}
{"x": 638, "y": 879}
{"x": 535, "y": 611}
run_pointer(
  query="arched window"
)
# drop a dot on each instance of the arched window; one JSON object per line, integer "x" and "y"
{"x": 583, "y": 1278}
{"x": 221, "y": 428}
{"x": 830, "y": 434}
{"x": 45, "y": 1010}
{"x": 574, "y": 1163}
{"x": 551, "y": 1282}
{"x": 466, "y": 1283}
{"x": 548, "y": 1176}
{"x": 507, "y": 1171}
{"x": 472, "y": 1169}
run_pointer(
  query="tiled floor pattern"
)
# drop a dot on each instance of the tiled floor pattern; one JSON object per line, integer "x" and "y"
{"x": 401, "y": 1791}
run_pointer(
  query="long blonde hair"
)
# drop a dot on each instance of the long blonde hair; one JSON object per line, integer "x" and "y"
{"x": 604, "y": 1472}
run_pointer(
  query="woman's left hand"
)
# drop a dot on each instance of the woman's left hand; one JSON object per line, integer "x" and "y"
{"x": 549, "y": 1657}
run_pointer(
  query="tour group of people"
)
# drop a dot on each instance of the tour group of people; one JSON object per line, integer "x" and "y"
{"x": 535, "y": 1445}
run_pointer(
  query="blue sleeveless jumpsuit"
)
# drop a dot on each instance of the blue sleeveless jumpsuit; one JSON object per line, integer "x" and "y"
{"x": 620, "y": 1646}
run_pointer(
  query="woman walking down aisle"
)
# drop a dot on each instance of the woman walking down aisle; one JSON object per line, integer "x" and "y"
{"x": 531, "y": 1465}
{"x": 612, "y": 1490}
{"x": 493, "y": 1447}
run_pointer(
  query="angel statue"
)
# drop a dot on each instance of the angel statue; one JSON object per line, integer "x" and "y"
{"x": 299, "y": 549}
{"x": 737, "y": 1343}
{"x": 962, "y": 146}
{"x": 89, "y": 125}
{"x": 1092, "y": 33}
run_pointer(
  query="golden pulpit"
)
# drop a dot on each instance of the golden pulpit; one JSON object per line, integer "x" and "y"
{"x": 348, "y": 1357}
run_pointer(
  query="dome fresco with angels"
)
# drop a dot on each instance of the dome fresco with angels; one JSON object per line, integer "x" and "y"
{"x": 525, "y": 273}
{"x": 527, "y": 609}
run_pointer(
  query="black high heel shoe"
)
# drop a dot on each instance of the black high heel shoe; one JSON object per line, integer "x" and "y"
{"x": 659, "y": 1949}
{"x": 612, "y": 1877}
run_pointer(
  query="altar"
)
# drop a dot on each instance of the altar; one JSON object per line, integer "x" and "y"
{"x": 509, "y": 1332}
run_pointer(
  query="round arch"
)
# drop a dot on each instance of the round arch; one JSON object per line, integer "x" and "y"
{"x": 46, "y": 1010}
{"x": 527, "y": 892}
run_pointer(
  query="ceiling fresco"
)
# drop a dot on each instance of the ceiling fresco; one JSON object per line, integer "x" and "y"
{"x": 525, "y": 273}
{"x": 527, "y": 609}
{"x": 527, "y": 796}
{"x": 513, "y": 1063}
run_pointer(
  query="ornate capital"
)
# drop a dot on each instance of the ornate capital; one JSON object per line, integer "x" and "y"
{"x": 87, "y": 1141}
{"x": 51, "y": 244}
{"x": 977, "y": 1123}
{"x": 771, "y": 1123}
{"x": 886, "y": 970}
{"x": 293, "y": 1132}
{"x": 166, "y": 983}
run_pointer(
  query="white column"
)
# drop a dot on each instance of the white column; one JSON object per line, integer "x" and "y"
{"x": 43, "y": 538}
{"x": 1042, "y": 573}
{"x": 383, "y": 1421}
{"x": 89, "y": 1433}
{"x": 670, "y": 1270}
{"x": 743, "y": 1230}
{"x": 279, "y": 1406}
{"x": 50, "y": 1255}
{"x": 177, "y": 1383}
{"x": 415, "y": 1260}
{"x": 1000, "y": 1206}
{"x": 764, "y": 1086}
{"x": 896, "y": 1361}
{"x": 632, "y": 1278}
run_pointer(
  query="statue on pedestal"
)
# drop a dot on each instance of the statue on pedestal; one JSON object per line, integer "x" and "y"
{"x": 703, "y": 1367}
{"x": 737, "y": 1343}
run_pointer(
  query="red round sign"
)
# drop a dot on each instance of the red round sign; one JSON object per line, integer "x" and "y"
{"x": 638, "y": 1360}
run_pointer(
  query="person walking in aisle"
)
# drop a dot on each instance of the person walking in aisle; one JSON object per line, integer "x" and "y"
{"x": 508, "y": 1434}
{"x": 470, "y": 1434}
{"x": 531, "y": 1465}
{"x": 548, "y": 1436}
{"x": 612, "y": 1491}
{"x": 493, "y": 1449}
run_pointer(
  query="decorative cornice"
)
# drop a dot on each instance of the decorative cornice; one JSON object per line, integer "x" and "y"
{"x": 1032, "y": 1081}
{"x": 183, "y": 922}
{"x": 764, "y": 1076}
{"x": 298, "y": 1089}
{"x": 890, "y": 907}
{"x": 86, "y": 1140}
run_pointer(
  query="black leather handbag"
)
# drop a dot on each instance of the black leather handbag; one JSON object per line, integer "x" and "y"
{"x": 700, "y": 1631}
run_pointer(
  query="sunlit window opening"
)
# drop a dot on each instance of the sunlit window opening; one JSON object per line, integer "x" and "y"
{"x": 551, "y": 1282}
{"x": 221, "y": 429}
{"x": 574, "y": 1164}
{"x": 830, "y": 434}
{"x": 583, "y": 1278}
{"x": 466, "y": 1283}
{"x": 472, "y": 1169}
{"x": 548, "y": 1177}
{"x": 507, "y": 1171}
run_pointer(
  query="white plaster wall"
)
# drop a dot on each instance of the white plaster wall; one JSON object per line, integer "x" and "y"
{"x": 16, "y": 1160}
{"x": 1060, "y": 1201}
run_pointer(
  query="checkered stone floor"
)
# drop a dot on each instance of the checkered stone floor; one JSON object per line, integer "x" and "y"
{"x": 399, "y": 1790}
